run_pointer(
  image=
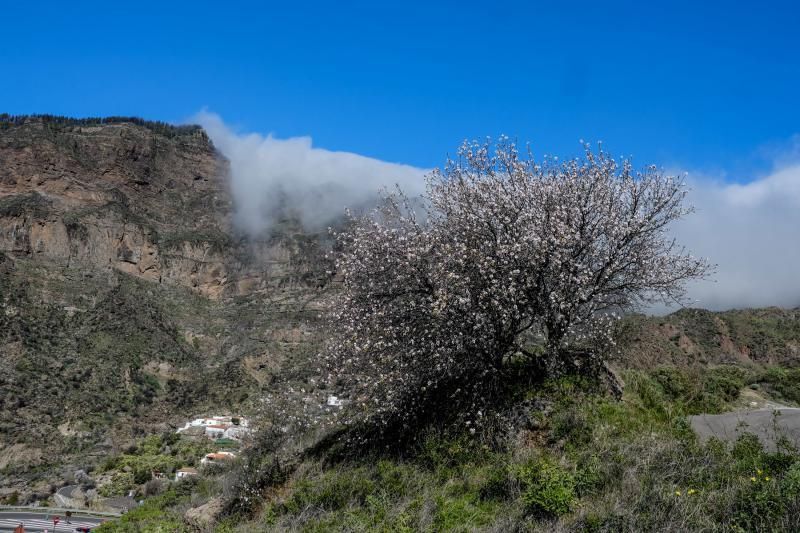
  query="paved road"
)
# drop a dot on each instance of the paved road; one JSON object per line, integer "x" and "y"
{"x": 38, "y": 522}
{"x": 767, "y": 424}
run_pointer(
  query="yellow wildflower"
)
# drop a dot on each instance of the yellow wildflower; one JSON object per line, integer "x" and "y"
{"x": 677, "y": 493}
{"x": 752, "y": 479}
{"x": 758, "y": 471}
{"x": 690, "y": 491}
{"x": 767, "y": 478}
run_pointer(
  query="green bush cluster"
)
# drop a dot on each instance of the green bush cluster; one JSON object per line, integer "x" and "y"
{"x": 163, "y": 453}
{"x": 156, "y": 515}
{"x": 781, "y": 383}
{"x": 547, "y": 487}
{"x": 693, "y": 391}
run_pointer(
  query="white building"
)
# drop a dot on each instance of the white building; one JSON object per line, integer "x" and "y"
{"x": 224, "y": 421}
{"x": 335, "y": 401}
{"x": 237, "y": 432}
{"x": 216, "y": 431}
{"x": 183, "y": 473}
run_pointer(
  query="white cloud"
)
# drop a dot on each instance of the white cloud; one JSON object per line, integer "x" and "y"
{"x": 269, "y": 175}
{"x": 752, "y": 232}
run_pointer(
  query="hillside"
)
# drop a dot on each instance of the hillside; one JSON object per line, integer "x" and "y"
{"x": 695, "y": 336}
{"x": 129, "y": 303}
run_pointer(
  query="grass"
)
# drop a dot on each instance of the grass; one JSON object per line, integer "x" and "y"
{"x": 156, "y": 515}
{"x": 589, "y": 464}
{"x": 579, "y": 461}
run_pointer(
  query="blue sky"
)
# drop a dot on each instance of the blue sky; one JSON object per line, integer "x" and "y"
{"x": 702, "y": 85}
{"x": 705, "y": 87}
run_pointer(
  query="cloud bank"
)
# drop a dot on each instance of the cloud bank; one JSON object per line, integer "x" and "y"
{"x": 272, "y": 178}
{"x": 752, "y": 232}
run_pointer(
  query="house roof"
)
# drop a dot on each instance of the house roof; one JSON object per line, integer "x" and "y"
{"x": 216, "y": 456}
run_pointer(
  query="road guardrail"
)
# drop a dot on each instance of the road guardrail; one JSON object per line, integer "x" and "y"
{"x": 54, "y": 510}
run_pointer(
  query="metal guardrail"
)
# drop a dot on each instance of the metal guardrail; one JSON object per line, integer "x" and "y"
{"x": 53, "y": 510}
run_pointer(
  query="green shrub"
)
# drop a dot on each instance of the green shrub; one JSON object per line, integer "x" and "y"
{"x": 790, "y": 484}
{"x": 496, "y": 484}
{"x": 721, "y": 387}
{"x": 747, "y": 450}
{"x": 691, "y": 391}
{"x": 121, "y": 483}
{"x": 335, "y": 490}
{"x": 674, "y": 382}
{"x": 547, "y": 487}
{"x": 141, "y": 476}
{"x": 780, "y": 382}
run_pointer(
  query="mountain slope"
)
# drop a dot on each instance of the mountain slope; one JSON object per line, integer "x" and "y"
{"x": 128, "y": 302}
{"x": 696, "y": 336}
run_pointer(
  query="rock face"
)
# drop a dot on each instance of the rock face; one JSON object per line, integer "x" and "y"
{"x": 125, "y": 197}
{"x": 127, "y": 299}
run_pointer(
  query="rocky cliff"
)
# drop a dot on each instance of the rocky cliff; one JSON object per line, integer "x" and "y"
{"x": 127, "y": 299}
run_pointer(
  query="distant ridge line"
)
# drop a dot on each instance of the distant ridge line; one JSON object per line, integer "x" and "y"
{"x": 164, "y": 128}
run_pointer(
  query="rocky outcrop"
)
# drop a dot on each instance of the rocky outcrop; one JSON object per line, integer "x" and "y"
{"x": 128, "y": 301}
{"x": 203, "y": 518}
{"x": 125, "y": 197}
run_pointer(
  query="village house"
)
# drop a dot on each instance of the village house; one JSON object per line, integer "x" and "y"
{"x": 334, "y": 401}
{"x": 185, "y": 472}
{"x": 236, "y": 432}
{"x": 218, "y": 427}
{"x": 217, "y": 458}
{"x": 216, "y": 431}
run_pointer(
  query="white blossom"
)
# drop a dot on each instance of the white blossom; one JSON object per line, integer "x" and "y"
{"x": 436, "y": 294}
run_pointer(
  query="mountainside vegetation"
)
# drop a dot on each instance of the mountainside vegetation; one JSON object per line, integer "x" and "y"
{"x": 130, "y": 304}
{"x": 568, "y": 457}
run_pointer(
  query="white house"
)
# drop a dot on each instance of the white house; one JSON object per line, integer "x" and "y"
{"x": 335, "y": 401}
{"x": 214, "y": 421}
{"x": 183, "y": 473}
{"x": 237, "y": 432}
{"x": 216, "y": 431}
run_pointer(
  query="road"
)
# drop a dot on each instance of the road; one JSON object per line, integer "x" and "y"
{"x": 767, "y": 424}
{"x": 38, "y": 522}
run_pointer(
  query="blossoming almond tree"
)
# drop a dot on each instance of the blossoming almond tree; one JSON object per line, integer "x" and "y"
{"x": 436, "y": 297}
